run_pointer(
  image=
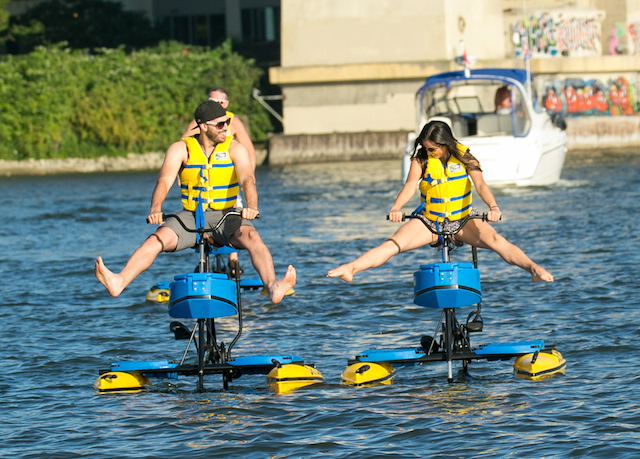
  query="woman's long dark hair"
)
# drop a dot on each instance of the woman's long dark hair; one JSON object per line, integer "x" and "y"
{"x": 440, "y": 133}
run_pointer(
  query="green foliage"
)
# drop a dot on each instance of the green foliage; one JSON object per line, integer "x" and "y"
{"x": 81, "y": 24}
{"x": 4, "y": 16}
{"x": 56, "y": 102}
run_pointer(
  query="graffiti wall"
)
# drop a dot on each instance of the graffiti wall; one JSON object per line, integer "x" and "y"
{"x": 549, "y": 36}
{"x": 577, "y": 97}
{"x": 634, "y": 38}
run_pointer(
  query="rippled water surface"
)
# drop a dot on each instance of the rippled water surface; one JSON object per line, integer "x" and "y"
{"x": 59, "y": 327}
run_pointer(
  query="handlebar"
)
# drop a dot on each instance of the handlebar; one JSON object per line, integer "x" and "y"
{"x": 205, "y": 230}
{"x": 462, "y": 221}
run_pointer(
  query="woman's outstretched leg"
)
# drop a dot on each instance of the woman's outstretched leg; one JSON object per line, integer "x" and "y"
{"x": 371, "y": 259}
{"x": 409, "y": 236}
{"x": 482, "y": 235}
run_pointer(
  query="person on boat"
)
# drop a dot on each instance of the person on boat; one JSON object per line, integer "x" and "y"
{"x": 239, "y": 132}
{"x": 208, "y": 156}
{"x": 503, "y": 100}
{"x": 444, "y": 169}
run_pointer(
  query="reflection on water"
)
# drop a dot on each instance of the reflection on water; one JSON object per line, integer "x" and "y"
{"x": 60, "y": 327}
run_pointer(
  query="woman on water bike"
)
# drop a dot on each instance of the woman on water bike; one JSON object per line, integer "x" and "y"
{"x": 445, "y": 169}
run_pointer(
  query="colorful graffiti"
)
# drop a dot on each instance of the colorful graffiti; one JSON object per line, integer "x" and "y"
{"x": 634, "y": 37}
{"x": 576, "y": 97}
{"x": 546, "y": 36}
{"x": 616, "y": 46}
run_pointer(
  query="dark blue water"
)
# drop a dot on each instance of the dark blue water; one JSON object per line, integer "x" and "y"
{"x": 59, "y": 327}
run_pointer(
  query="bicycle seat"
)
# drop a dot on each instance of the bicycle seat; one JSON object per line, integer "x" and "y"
{"x": 222, "y": 250}
{"x": 450, "y": 239}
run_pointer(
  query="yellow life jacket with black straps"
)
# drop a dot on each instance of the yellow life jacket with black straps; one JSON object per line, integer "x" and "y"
{"x": 211, "y": 182}
{"x": 446, "y": 191}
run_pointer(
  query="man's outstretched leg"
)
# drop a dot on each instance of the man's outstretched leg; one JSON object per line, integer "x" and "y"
{"x": 248, "y": 238}
{"x": 139, "y": 261}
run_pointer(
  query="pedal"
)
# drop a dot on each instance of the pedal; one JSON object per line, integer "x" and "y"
{"x": 474, "y": 321}
{"x": 429, "y": 345}
{"x": 474, "y": 326}
{"x": 180, "y": 330}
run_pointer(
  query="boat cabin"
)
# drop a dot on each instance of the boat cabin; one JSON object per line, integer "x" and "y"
{"x": 470, "y": 103}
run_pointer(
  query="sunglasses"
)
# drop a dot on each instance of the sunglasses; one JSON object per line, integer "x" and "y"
{"x": 218, "y": 100}
{"x": 219, "y": 125}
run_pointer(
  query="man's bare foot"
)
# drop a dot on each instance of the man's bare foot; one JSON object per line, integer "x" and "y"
{"x": 344, "y": 272}
{"x": 280, "y": 287}
{"x": 538, "y": 274}
{"x": 112, "y": 282}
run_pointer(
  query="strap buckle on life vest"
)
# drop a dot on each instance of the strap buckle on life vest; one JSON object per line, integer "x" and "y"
{"x": 438, "y": 181}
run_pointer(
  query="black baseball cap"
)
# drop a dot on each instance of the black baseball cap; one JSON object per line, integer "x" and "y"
{"x": 207, "y": 111}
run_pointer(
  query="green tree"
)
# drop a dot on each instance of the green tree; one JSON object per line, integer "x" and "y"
{"x": 82, "y": 24}
{"x": 56, "y": 102}
{"x": 4, "y": 15}
{"x": 4, "y": 19}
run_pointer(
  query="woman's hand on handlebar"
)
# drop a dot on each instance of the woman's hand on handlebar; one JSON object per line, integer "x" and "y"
{"x": 395, "y": 216}
{"x": 250, "y": 214}
{"x": 155, "y": 218}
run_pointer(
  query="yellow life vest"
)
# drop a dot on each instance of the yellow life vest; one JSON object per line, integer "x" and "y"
{"x": 213, "y": 182}
{"x": 446, "y": 191}
{"x": 231, "y": 116}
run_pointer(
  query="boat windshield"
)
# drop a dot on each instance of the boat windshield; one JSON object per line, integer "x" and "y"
{"x": 478, "y": 108}
{"x": 536, "y": 102}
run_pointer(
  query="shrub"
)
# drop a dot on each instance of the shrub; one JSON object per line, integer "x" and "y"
{"x": 55, "y": 102}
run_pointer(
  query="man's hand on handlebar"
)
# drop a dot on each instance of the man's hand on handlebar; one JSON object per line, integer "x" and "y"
{"x": 155, "y": 218}
{"x": 494, "y": 214}
{"x": 249, "y": 214}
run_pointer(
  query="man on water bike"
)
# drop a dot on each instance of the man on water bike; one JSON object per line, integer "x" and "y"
{"x": 211, "y": 167}
{"x": 239, "y": 132}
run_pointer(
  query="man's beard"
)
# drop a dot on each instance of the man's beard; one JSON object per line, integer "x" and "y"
{"x": 213, "y": 137}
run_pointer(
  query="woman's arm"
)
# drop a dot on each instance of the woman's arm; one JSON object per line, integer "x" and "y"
{"x": 486, "y": 195}
{"x": 407, "y": 191}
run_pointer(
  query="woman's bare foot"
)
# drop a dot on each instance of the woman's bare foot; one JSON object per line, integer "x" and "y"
{"x": 112, "y": 282}
{"x": 279, "y": 288}
{"x": 538, "y": 274}
{"x": 344, "y": 272}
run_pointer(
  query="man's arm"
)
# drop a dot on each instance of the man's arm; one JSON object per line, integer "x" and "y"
{"x": 241, "y": 135}
{"x": 175, "y": 157}
{"x": 246, "y": 177}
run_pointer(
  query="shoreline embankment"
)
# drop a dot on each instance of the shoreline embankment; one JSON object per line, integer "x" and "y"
{"x": 584, "y": 135}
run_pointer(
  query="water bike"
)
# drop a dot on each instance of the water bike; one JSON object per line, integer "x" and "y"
{"x": 205, "y": 296}
{"x": 447, "y": 286}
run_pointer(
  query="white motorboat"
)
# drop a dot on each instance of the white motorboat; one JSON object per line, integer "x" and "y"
{"x": 521, "y": 145}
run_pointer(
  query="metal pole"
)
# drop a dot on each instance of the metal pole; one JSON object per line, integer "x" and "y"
{"x": 261, "y": 99}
